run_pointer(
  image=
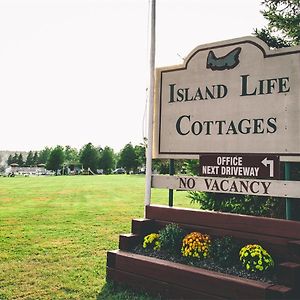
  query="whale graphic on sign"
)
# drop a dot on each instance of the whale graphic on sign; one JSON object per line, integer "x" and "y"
{"x": 227, "y": 62}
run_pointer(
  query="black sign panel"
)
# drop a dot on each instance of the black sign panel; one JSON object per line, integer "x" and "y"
{"x": 242, "y": 166}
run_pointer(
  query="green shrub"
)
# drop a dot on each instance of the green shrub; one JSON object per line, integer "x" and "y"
{"x": 240, "y": 204}
{"x": 256, "y": 258}
{"x": 171, "y": 237}
{"x": 225, "y": 250}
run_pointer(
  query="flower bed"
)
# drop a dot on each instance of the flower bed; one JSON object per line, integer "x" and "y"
{"x": 212, "y": 265}
{"x": 192, "y": 275}
{"x": 174, "y": 280}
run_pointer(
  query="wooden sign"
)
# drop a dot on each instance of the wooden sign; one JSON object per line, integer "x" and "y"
{"x": 244, "y": 166}
{"x": 258, "y": 187}
{"x": 236, "y": 96}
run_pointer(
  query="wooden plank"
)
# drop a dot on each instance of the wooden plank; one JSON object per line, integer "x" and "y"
{"x": 111, "y": 258}
{"x": 142, "y": 226}
{"x": 198, "y": 279}
{"x": 179, "y": 292}
{"x": 180, "y": 281}
{"x": 289, "y": 274}
{"x": 137, "y": 282}
{"x": 257, "y": 187}
{"x": 128, "y": 241}
{"x": 280, "y": 292}
{"x": 294, "y": 250}
{"x": 258, "y": 225}
{"x": 156, "y": 287}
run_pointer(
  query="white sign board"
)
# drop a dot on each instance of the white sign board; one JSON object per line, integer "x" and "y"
{"x": 236, "y": 96}
{"x": 258, "y": 187}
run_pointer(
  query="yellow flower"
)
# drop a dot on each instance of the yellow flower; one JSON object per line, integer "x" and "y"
{"x": 151, "y": 240}
{"x": 255, "y": 258}
{"x": 197, "y": 244}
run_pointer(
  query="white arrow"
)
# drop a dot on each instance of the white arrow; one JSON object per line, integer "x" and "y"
{"x": 269, "y": 162}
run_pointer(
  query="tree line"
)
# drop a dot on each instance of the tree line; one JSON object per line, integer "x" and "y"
{"x": 89, "y": 157}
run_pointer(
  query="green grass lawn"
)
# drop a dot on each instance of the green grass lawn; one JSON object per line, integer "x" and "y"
{"x": 55, "y": 233}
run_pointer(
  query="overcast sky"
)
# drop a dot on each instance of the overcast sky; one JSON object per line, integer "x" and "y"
{"x": 76, "y": 71}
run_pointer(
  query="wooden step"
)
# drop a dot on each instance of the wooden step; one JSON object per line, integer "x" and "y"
{"x": 294, "y": 250}
{"x": 289, "y": 274}
{"x": 142, "y": 226}
{"x": 128, "y": 241}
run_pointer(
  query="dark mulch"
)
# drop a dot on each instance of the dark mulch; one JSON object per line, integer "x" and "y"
{"x": 210, "y": 264}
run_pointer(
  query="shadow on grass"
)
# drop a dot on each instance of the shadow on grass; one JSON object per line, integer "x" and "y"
{"x": 120, "y": 292}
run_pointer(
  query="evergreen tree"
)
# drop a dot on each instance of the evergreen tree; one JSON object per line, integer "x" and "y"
{"x": 35, "y": 159}
{"x": 15, "y": 158}
{"x": 283, "y": 27}
{"x": 20, "y": 161}
{"x": 29, "y": 160}
{"x": 10, "y": 160}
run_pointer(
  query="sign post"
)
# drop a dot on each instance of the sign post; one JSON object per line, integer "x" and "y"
{"x": 150, "y": 106}
{"x": 171, "y": 172}
{"x": 288, "y": 201}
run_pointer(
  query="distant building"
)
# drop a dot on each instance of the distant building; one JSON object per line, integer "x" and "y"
{"x": 16, "y": 170}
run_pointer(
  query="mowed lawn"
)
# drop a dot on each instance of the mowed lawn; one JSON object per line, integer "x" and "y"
{"x": 55, "y": 232}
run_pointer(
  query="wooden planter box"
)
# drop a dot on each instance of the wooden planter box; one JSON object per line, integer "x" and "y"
{"x": 174, "y": 280}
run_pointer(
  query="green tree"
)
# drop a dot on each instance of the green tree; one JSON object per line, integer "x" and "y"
{"x": 107, "y": 160}
{"x": 89, "y": 157}
{"x": 71, "y": 155}
{"x": 161, "y": 166}
{"x": 283, "y": 29}
{"x": 56, "y": 159}
{"x": 191, "y": 167}
{"x": 29, "y": 159}
{"x": 15, "y": 158}
{"x": 127, "y": 158}
{"x": 35, "y": 158}
{"x": 44, "y": 155}
{"x": 9, "y": 160}
{"x": 140, "y": 153}
{"x": 20, "y": 161}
